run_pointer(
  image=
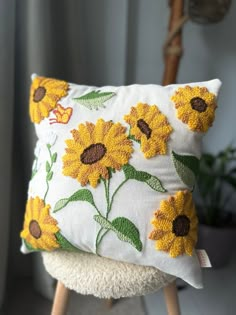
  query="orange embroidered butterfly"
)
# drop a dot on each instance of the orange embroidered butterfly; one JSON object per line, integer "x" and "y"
{"x": 62, "y": 115}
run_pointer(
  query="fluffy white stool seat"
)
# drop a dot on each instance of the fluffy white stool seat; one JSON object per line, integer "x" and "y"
{"x": 103, "y": 277}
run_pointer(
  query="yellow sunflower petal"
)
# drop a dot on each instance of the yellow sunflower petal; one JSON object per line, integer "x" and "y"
{"x": 162, "y": 224}
{"x": 188, "y": 246}
{"x": 165, "y": 242}
{"x": 177, "y": 248}
{"x": 49, "y": 243}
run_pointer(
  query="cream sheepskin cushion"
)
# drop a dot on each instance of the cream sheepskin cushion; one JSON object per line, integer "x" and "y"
{"x": 103, "y": 277}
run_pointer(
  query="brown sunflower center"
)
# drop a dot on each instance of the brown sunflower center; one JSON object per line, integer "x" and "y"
{"x": 198, "y": 104}
{"x": 35, "y": 229}
{"x": 181, "y": 225}
{"x": 39, "y": 94}
{"x": 144, "y": 127}
{"x": 93, "y": 153}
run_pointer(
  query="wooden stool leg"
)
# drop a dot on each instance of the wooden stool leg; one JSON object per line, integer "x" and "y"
{"x": 171, "y": 298}
{"x": 61, "y": 299}
{"x": 109, "y": 303}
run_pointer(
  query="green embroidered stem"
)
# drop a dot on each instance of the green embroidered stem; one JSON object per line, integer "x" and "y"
{"x": 53, "y": 158}
{"x": 97, "y": 210}
{"x": 44, "y": 198}
{"x": 35, "y": 169}
{"x": 102, "y": 238}
{"x": 115, "y": 192}
{"x": 97, "y": 239}
{"x": 131, "y": 137}
{"x": 107, "y": 193}
{"x": 125, "y": 230}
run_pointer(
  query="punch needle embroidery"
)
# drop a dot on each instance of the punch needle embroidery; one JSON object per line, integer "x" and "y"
{"x": 63, "y": 115}
{"x": 186, "y": 167}
{"x": 175, "y": 225}
{"x": 150, "y": 128}
{"x": 94, "y": 99}
{"x": 92, "y": 156}
{"x": 44, "y": 95}
{"x": 94, "y": 149}
{"x": 40, "y": 230}
{"x": 195, "y": 107}
{"x": 39, "y": 227}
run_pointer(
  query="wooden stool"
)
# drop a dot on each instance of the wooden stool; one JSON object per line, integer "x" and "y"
{"x": 105, "y": 278}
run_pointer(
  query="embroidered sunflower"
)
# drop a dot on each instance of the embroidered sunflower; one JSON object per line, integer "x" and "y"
{"x": 150, "y": 127}
{"x": 94, "y": 149}
{"x": 195, "y": 107}
{"x": 44, "y": 95}
{"x": 39, "y": 227}
{"x": 175, "y": 225}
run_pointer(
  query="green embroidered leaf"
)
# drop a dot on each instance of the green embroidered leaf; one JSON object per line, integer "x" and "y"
{"x": 155, "y": 184}
{"x": 152, "y": 181}
{"x": 103, "y": 222}
{"x": 186, "y": 167}
{"x": 47, "y": 167}
{"x": 64, "y": 243}
{"x": 54, "y": 157}
{"x": 125, "y": 230}
{"x": 80, "y": 195}
{"x": 49, "y": 176}
{"x": 94, "y": 99}
{"x": 29, "y": 247}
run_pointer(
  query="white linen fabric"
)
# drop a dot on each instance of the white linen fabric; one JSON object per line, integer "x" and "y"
{"x": 87, "y": 211}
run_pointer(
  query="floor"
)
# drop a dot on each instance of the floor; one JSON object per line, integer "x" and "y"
{"x": 217, "y": 298}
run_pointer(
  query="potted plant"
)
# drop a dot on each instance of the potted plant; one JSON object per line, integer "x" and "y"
{"x": 216, "y": 186}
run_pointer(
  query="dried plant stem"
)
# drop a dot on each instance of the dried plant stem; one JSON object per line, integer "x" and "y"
{"x": 173, "y": 44}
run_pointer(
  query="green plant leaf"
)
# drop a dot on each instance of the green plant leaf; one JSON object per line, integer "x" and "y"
{"x": 208, "y": 159}
{"x": 54, "y": 157}
{"x": 94, "y": 99}
{"x": 125, "y": 230}
{"x": 47, "y": 167}
{"x": 230, "y": 180}
{"x": 186, "y": 167}
{"x": 80, "y": 195}
{"x": 64, "y": 243}
{"x": 152, "y": 181}
{"x": 206, "y": 183}
{"x": 232, "y": 171}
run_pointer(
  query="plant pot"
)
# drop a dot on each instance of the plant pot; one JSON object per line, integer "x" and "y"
{"x": 218, "y": 243}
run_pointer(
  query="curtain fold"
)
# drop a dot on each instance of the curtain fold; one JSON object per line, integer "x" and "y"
{"x": 7, "y": 71}
{"x": 78, "y": 41}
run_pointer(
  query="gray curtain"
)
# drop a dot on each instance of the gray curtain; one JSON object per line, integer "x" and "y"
{"x": 93, "y": 42}
{"x": 7, "y": 18}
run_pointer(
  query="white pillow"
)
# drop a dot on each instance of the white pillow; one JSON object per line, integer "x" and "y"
{"x": 114, "y": 170}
